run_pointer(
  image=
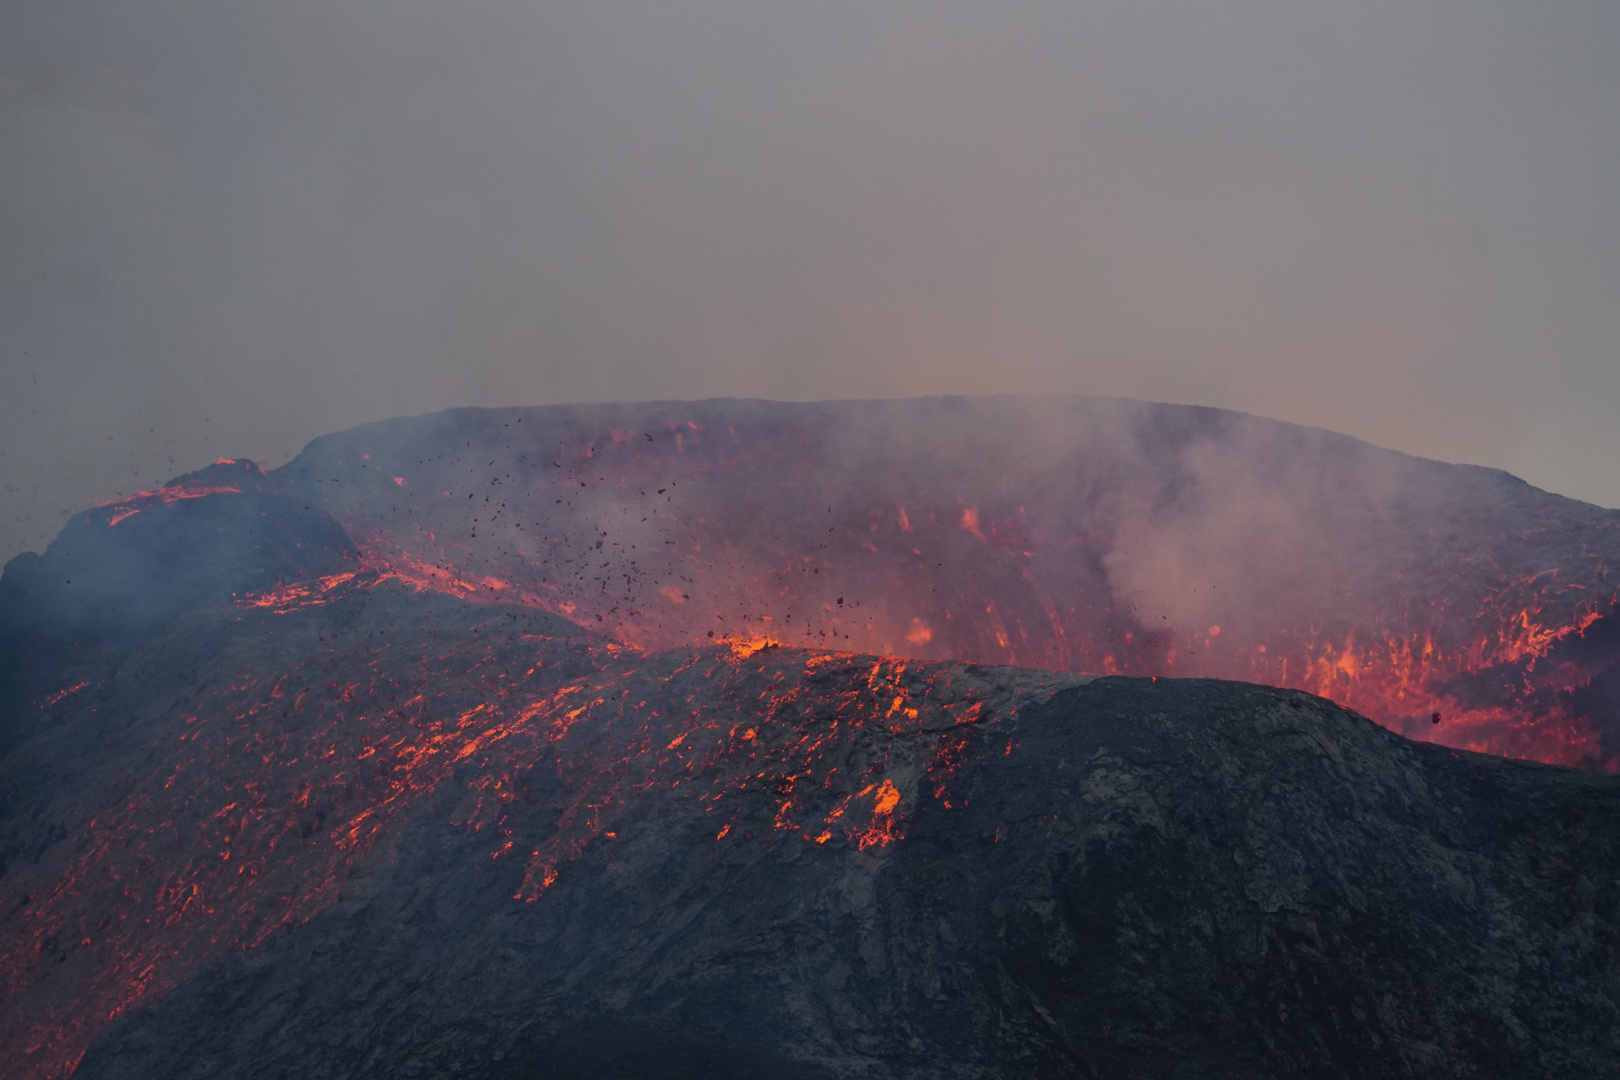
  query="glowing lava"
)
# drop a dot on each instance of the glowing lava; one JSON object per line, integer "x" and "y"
{"x": 1079, "y": 535}
{"x": 242, "y": 805}
{"x": 772, "y": 600}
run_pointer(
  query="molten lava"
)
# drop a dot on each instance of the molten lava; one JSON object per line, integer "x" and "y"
{"x": 759, "y": 610}
{"x": 243, "y": 806}
{"x": 1081, "y": 535}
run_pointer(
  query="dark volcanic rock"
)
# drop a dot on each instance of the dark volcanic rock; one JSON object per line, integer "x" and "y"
{"x": 143, "y": 570}
{"x": 270, "y": 811}
{"x": 111, "y": 578}
{"x": 1181, "y": 878}
{"x": 1068, "y": 534}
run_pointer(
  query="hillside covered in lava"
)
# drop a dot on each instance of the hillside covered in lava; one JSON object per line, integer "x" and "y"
{"x": 1097, "y": 535}
{"x": 678, "y": 740}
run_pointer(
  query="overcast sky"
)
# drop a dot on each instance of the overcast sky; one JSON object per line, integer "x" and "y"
{"x": 228, "y": 227}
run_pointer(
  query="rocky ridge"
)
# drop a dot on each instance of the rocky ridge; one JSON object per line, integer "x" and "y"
{"x": 296, "y": 817}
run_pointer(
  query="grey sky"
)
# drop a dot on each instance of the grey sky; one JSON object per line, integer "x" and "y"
{"x": 228, "y": 227}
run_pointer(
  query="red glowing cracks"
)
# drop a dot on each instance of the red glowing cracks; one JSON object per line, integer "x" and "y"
{"x": 299, "y": 594}
{"x": 250, "y": 805}
{"x": 838, "y": 746}
{"x": 744, "y": 647}
{"x": 66, "y": 692}
{"x": 880, "y": 829}
{"x": 224, "y": 477}
{"x": 1026, "y": 561}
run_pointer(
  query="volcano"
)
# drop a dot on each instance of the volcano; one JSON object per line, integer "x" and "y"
{"x": 1107, "y": 536}
{"x": 916, "y": 738}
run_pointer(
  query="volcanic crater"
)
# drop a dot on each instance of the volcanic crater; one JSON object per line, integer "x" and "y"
{"x": 943, "y": 737}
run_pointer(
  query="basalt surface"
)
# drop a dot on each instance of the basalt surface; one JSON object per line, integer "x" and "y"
{"x": 1178, "y": 879}
{"x": 304, "y": 819}
{"x": 1068, "y": 534}
{"x": 294, "y": 784}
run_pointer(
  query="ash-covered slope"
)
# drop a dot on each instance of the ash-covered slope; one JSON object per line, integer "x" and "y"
{"x": 324, "y": 824}
{"x": 1072, "y": 534}
{"x": 116, "y": 574}
{"x": 1188, "y": 878}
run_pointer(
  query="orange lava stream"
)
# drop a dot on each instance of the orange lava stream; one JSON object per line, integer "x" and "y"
{"x": 1397, "y": 677}
{"x": 255, "y": 801}
{"x": 263, "y": 795}
{"x": 678, "y": 531}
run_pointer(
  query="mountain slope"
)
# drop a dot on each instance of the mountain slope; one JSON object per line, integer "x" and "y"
{"x": 1181, "y": 878}
{"x": 274, "y": 805}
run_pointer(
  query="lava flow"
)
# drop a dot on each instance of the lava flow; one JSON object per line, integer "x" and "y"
{"x": 1080, "y": 535}
{"x": 228, "y": 696}
{"x": 251, "y": 754}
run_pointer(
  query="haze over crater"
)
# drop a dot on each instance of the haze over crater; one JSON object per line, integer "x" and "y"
{"x": 226, "y": 230}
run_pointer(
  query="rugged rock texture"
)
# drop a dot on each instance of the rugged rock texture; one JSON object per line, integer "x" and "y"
{"x": 296, "y": 818}
{"x": 1069, "y": 534}
{"x": 1189, "y": 879}
{"x": 1178, "y": 878}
